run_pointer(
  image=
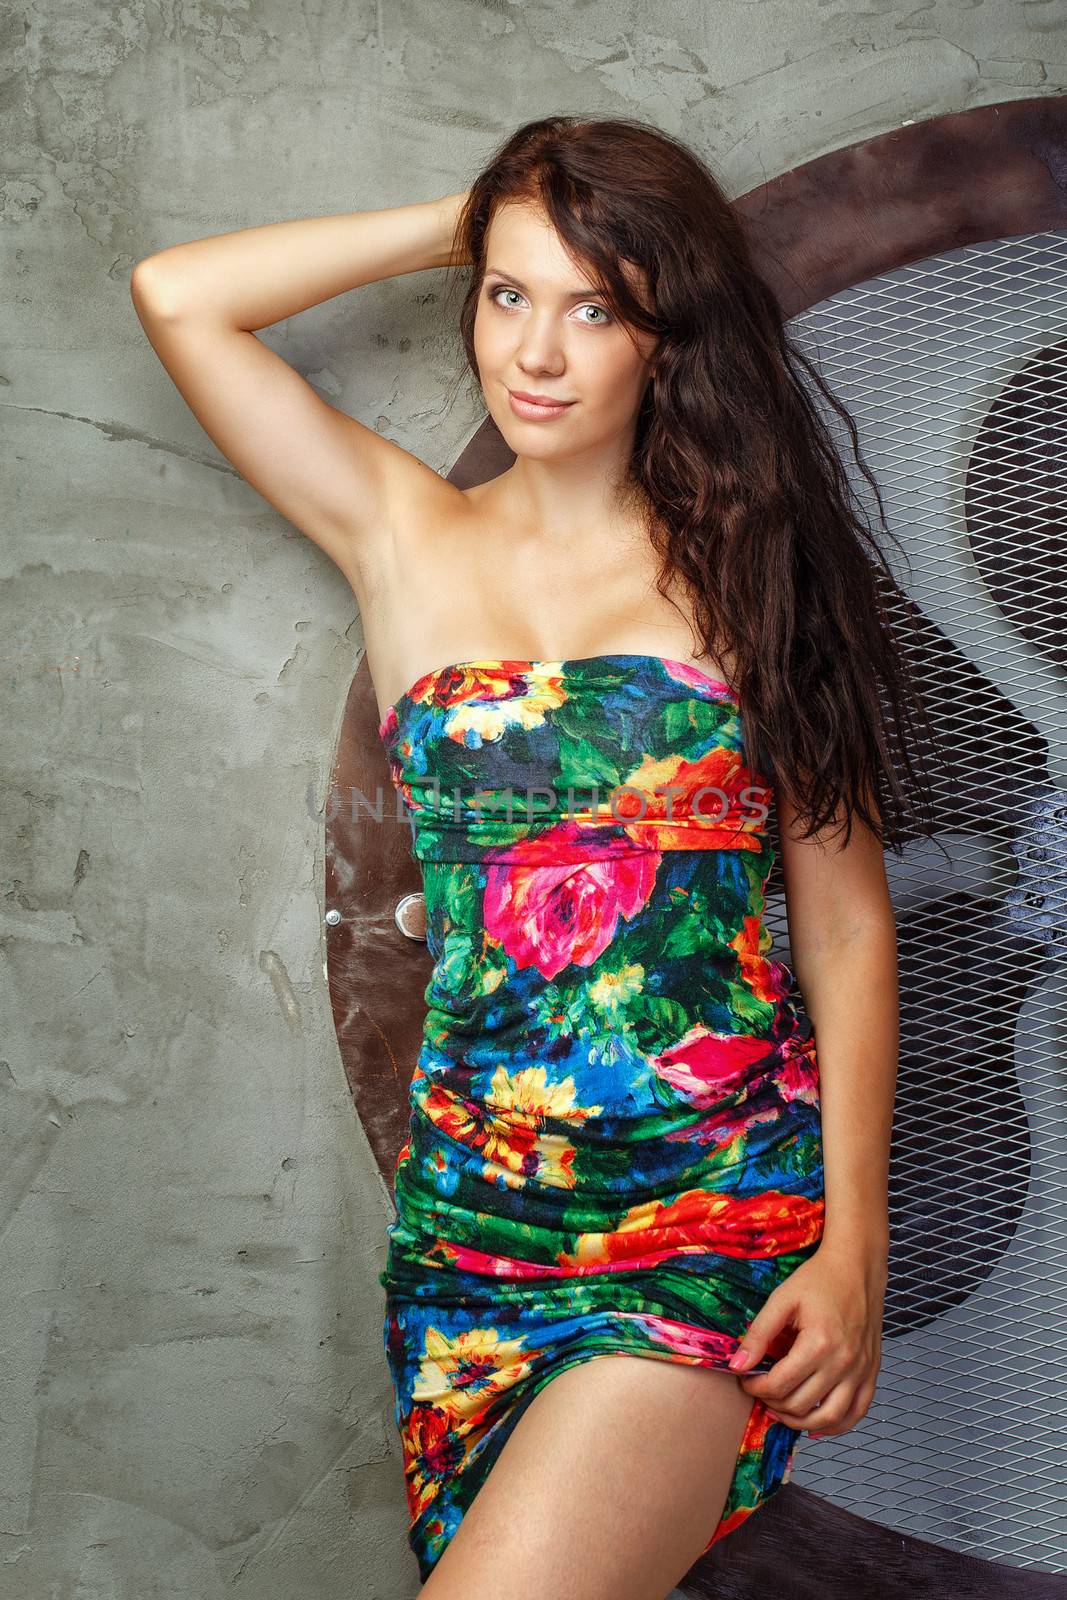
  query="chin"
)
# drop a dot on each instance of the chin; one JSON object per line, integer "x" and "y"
{"x": 526, "y": 439}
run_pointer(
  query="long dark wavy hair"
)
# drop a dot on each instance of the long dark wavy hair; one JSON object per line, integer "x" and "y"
{"x": 747, "y": 499}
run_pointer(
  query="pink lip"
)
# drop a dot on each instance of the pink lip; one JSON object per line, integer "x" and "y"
{"x": 534, "y": 409}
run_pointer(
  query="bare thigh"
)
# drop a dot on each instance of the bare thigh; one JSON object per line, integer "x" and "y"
{"x": 608, "y": 1488}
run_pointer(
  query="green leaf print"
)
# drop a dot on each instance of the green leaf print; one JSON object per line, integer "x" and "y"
{"x": 459, "y": 895}
{"x": 581, "y": 765}
{"x": 688, "y": 935}
{"x": 689, "y": 723}
{"x": 657, "y": 1021}
{"x": 755, "y": 1013}
{"x": 456, "y": 966}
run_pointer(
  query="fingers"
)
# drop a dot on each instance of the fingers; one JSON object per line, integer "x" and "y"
{"x": 808, "y": 1365}
{"x": 836, "y": 1404}
{"x": 800, "y": 1402}
{"x": 818, "y": 1367}
{"x": 844, "y": 1404}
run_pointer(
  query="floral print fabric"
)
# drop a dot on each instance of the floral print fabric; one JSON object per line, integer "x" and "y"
{"x": 614, "y": 1144}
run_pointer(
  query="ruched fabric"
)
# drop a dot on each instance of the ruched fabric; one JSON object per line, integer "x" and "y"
{"x": 614, "y": 1144}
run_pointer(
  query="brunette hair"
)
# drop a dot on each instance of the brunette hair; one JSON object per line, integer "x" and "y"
{"x": 748, "y": 501}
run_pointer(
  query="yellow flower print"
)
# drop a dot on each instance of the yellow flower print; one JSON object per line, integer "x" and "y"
{"x": 613, "y": 991}
{"x": 462, "y": 1374}
{"x": 528, "y": 1093}
{"x": 514, "y": 1139}
{"x": 490, "y": 718}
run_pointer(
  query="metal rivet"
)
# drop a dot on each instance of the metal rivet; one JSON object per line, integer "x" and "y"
{"x": 333, "y": 917}
{"x": 410, "y": 916}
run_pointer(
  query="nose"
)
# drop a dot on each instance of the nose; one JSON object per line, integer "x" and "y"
{"x": 540, "y": 349}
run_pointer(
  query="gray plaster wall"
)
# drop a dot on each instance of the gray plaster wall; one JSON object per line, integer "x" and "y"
{"x": 194, "y": 1399}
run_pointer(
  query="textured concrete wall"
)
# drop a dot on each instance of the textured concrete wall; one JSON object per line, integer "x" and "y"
{"x": 194, "y": 1399}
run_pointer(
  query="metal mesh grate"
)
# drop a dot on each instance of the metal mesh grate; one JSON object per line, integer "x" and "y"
{"x": 955, "y": 370}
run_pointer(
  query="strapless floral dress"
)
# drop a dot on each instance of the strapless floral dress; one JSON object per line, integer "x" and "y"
{"x": 615, "y": 1141}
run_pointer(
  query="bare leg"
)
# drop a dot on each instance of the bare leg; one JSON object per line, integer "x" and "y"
{"x": 608, "y": 1488}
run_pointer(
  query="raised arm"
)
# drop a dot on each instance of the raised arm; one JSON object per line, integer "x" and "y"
{"x": 200, "y": 305}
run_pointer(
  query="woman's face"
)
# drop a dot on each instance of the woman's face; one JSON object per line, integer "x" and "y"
{"x": 541, "y": 329}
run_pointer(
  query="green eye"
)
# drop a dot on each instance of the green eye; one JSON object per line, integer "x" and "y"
{"x": 603, "y": 315}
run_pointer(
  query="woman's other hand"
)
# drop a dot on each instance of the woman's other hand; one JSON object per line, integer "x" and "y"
{"x": 833, "y": 1303}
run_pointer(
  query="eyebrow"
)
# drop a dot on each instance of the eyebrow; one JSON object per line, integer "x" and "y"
{"x": 575, "y": 294}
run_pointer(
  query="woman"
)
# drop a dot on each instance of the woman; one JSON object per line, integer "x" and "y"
{"x": 621, "y": 1143}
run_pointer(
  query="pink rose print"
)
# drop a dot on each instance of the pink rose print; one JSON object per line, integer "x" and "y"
{"x": 797, "y": 1075}
{"x": 548, "y": 916}
{"x": 707, "y": 1066}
